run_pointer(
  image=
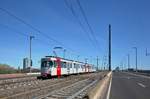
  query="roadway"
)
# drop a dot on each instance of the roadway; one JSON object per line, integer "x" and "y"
{"x": 129, "y": 86}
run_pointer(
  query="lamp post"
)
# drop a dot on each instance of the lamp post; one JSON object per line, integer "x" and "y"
{"x": 135, "y": 57}
{"x": 30, "y": 60}
{"x": 97, "y": 63}
{"x": 109, "y": 54}
{"x": 128, "y": 61}
{"x": 147, "y": 53}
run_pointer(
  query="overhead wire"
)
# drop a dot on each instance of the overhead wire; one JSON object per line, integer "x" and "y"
{"x": 21, "y": 33}
{"x": 14, "y": 30}
{"x": 35, "y": 29}
{"x": 87, "y": 22}
{"x": 79, "y": 22}
{"x": 29, "y": 25}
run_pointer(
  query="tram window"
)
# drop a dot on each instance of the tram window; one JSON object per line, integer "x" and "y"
{"x": 74, "y": 65}
{"x": 47, "y": 64}
{"x": 50, "y": 63}
{"x": 79, "y": 66}
{"x": 43, "y": 64}
{"x": 63, "y": 64}
{"x": 82, "y": 66}
{"x": 70, "y": 65}
{"x": 55, "y": 64}
{"x": 67, "y": 65}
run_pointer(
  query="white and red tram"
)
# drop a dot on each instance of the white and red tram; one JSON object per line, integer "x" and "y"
{"x": 56, "y": 66}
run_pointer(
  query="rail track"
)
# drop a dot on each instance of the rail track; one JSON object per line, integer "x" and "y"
{"x": 15, "y": 83}
{"x": 77, "y": 90}
{"x": 47, "y": 88}
{"x": 24, "y": 86}
{"x": 16, "y": 80}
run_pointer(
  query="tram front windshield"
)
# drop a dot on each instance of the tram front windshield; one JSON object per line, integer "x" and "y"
{"x": 47, "y": 64}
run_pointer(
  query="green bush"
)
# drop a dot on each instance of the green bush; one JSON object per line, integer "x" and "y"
{"x": 6, "y": 69}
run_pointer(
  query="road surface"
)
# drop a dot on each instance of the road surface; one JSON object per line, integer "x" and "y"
{"x": 129, "y": 86}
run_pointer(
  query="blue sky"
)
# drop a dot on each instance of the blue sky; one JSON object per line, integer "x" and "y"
{"x": 129, "y": 19}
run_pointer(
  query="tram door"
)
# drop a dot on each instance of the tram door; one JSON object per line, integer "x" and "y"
{"x": 58, "y": 67}
{"x": 68, "y": 67}
{"x": 76, "y": 66}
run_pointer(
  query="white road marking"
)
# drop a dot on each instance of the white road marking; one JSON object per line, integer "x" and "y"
{"x": 109, "y": 89}
{"x": 141, "y": 85}
{"x": 137, "y": 75}
{"x": 128, "y": 77}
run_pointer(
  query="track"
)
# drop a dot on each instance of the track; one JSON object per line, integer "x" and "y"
{"x": 77, "y": 90}
{"x": 47, "y": 88}
{"x": 13, "y": 86}
{"x": 8, "y": 85}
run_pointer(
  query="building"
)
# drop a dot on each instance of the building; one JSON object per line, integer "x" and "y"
{"x": 25, "y": 63}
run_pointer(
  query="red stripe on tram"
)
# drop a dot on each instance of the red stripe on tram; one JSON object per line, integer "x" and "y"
{"x": 58, "y": 67}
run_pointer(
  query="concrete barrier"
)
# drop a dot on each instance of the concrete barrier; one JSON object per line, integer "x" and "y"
{"x": 100, "y": 90}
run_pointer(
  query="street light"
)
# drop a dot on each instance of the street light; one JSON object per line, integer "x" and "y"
{"x": 128, "y": 61}
{"x": 97, "y": 63}
{"x": 135, "y": 57}
{"x": 30, "y": 60}
{"x": 147, "y": 54}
